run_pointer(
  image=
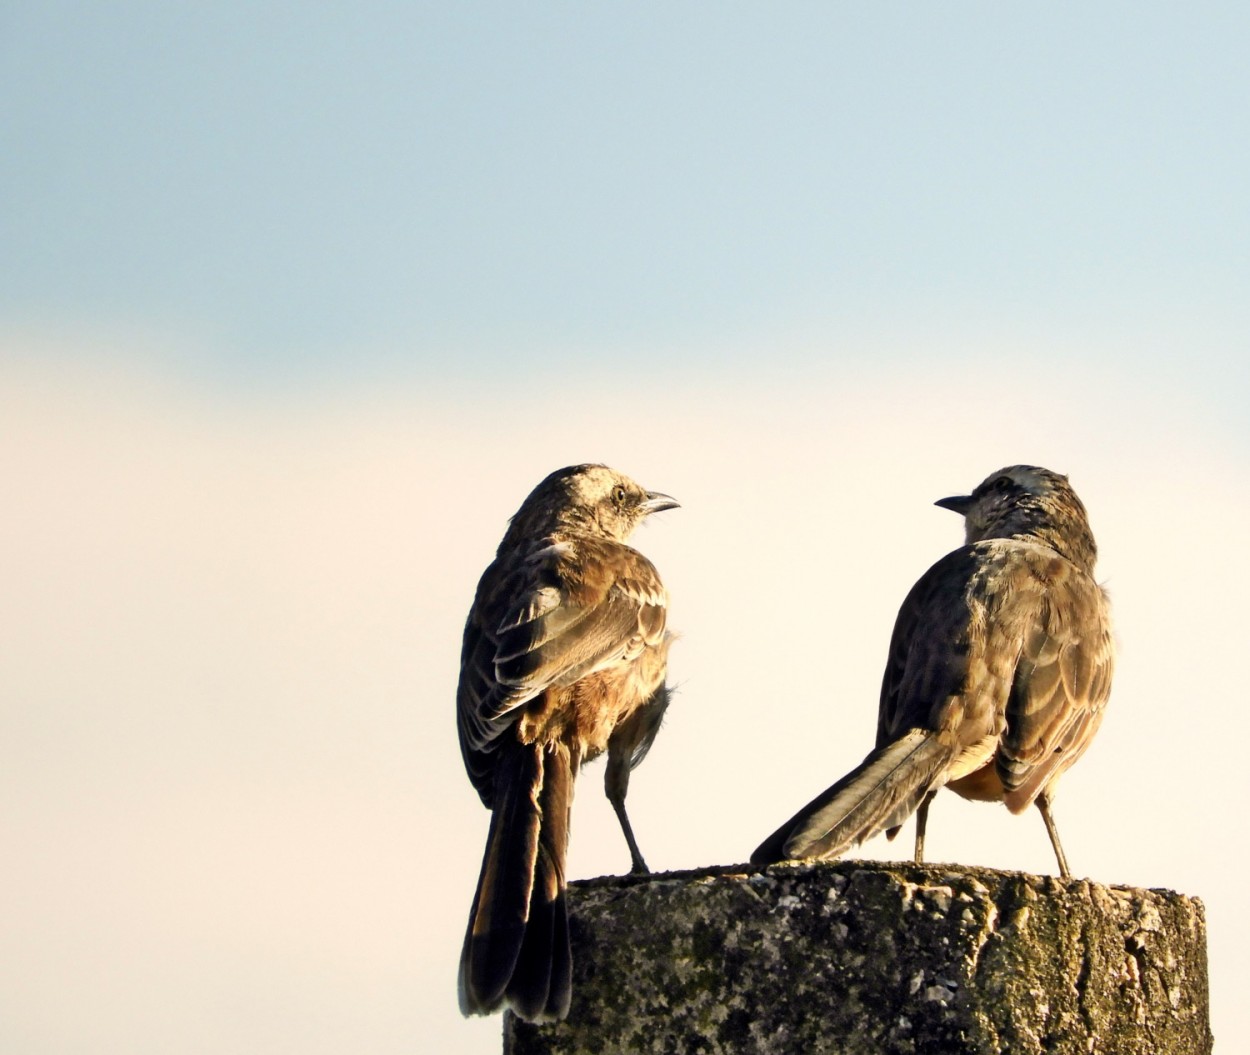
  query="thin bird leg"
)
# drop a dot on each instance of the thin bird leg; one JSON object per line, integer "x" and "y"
{"x": 922, "y": 819}
{"x": 1043, "y": 805}
{"x": 616, "y": 787}
{"x": 639, "y": 866}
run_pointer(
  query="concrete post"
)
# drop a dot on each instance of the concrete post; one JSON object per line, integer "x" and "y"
{"x": 856, "y": 957}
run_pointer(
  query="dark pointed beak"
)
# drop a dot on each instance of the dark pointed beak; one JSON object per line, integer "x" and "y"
{"x": 956, "y": 504}
{"x": 657, "y": 502}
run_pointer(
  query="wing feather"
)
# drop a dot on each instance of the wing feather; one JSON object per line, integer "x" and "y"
{"x": 546, "y": 618}
{"x": 927, "y": 664}
{"x": 1061, "y": 684}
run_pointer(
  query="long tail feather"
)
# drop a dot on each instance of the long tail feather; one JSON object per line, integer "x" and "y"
{"x": 542, "y": 982}
{"x": 516, "y": 949}
{"x": 878, "y": 793}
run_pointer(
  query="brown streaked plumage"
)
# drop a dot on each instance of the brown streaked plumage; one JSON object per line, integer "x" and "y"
{"x": 998, "y": 672}
{"x": 564, "y": 658}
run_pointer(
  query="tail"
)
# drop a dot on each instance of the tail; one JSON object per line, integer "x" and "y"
{"x": 881, "y": 792}
{"x": 516, "y": 950}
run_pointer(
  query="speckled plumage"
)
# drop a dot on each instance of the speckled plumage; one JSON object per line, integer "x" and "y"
{"x": 997, "y": 675}
{"x": 563, "y": 658}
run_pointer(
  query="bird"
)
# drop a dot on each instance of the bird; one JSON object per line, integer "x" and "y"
{"x": 997, "y": 675}
{"x": 564, "y": 657}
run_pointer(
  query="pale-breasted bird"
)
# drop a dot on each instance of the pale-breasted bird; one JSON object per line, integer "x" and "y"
{"x": 564, "y": 657}
{"x": 997, "y": 676}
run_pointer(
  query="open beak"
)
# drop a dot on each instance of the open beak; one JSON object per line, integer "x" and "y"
{"x": 956, "y": 504}
{"x": 657, "y": 502}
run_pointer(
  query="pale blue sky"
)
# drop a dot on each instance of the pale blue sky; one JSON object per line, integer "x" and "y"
{"x": 276, "y": 189}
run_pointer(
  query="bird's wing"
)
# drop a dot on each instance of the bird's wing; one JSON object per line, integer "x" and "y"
{"x": 930, "y": 651}
{"x": 545, "y": 618}
{"x": 1062, "y": 679}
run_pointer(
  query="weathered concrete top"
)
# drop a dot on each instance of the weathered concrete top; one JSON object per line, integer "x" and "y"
{"x": 855, "y": 957}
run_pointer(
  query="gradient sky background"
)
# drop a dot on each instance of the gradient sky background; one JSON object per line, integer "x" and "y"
{"x": 297, "y": 304}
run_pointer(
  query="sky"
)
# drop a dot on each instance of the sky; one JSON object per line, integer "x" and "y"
{"x": 297, "y": 305}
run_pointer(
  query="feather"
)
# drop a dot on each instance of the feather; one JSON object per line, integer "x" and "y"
{"x": 887, "y": 785}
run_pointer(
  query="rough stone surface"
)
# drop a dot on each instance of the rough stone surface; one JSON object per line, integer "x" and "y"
{"x": 857, "y": 957}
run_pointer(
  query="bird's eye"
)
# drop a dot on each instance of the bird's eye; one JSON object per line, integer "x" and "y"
{"x": 1003, "y": 483}
{"x": 619, "y": 495}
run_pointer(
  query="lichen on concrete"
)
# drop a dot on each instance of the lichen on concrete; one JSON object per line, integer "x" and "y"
{"x": 855, "y": 957}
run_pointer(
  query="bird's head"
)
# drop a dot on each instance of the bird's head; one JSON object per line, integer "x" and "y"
{"x": 592, "y": 498}
{"x": 1026, "y": 500}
